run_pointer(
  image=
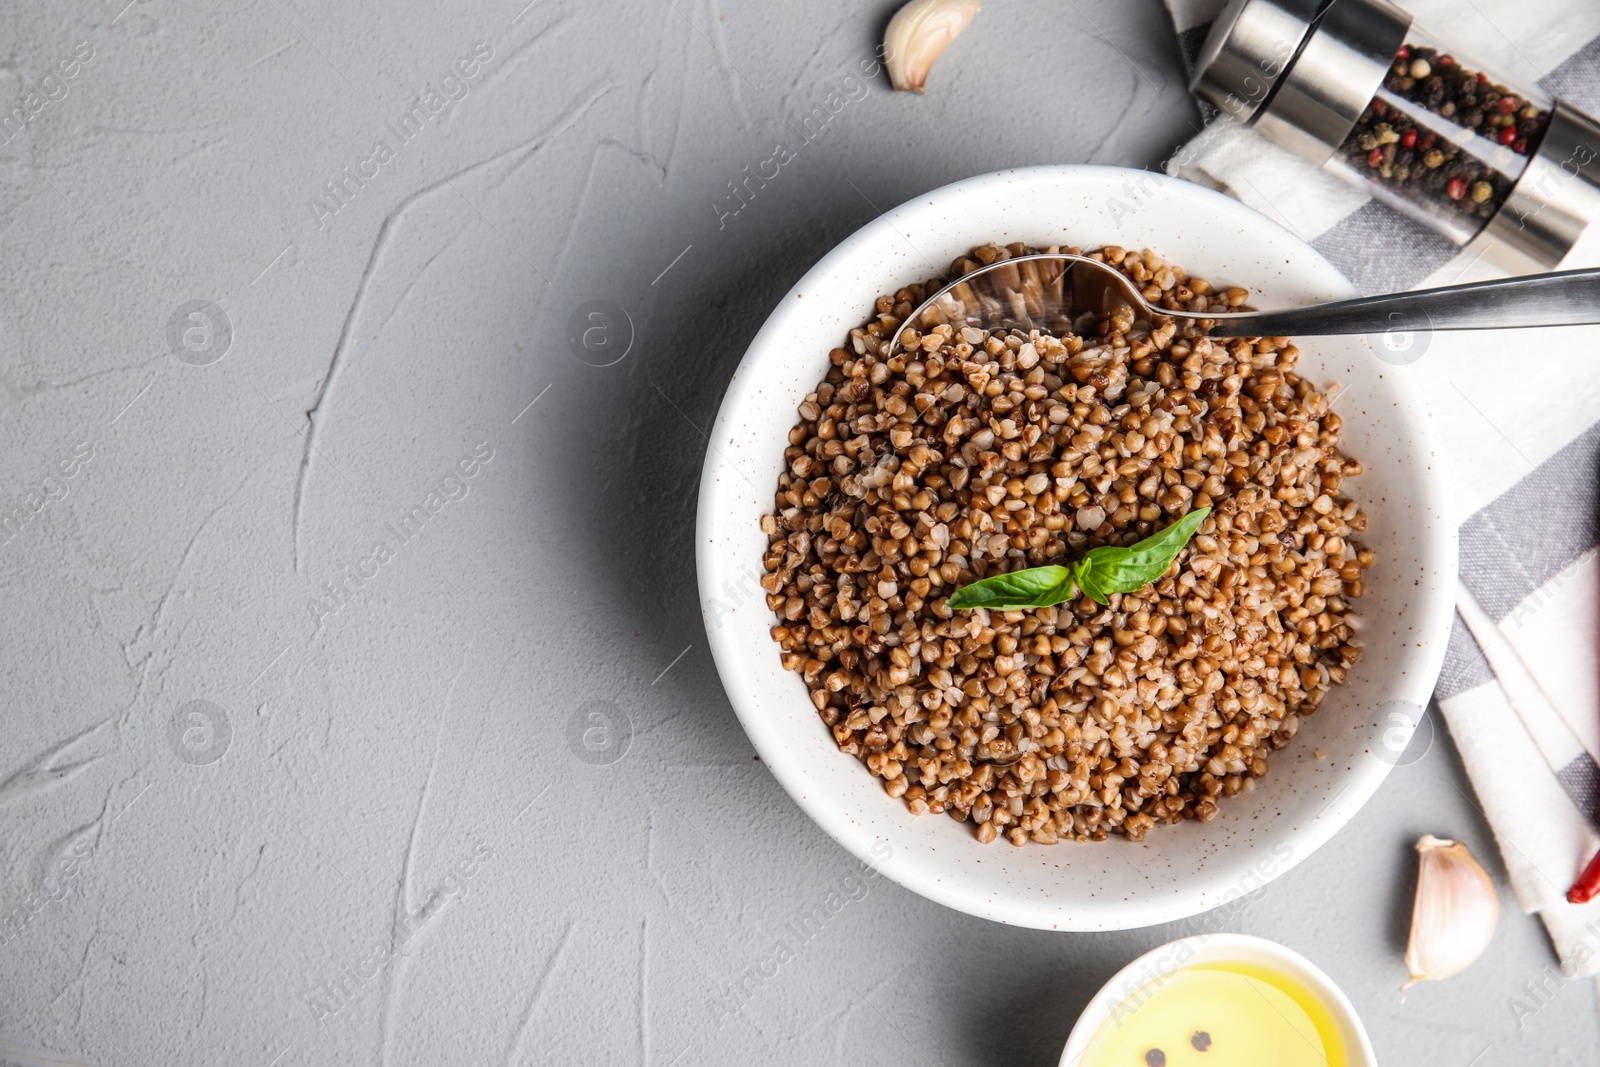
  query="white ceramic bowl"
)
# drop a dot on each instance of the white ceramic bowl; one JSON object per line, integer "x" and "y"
{"x": 1220, "y": 948}
{"x": 1177, "y": 870}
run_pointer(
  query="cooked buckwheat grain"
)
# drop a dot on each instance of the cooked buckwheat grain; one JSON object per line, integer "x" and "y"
{"x": 967, "y": 455}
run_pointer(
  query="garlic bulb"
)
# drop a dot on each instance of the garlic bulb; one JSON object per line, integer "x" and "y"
{"x": 1455, "y": 912}
{"x": 918, "y": 34}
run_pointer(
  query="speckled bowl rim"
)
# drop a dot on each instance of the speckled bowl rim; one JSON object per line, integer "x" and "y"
{"x": 1070, "y": 887}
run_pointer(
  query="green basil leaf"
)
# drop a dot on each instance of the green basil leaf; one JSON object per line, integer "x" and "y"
{"x": 1117, "y": 569}
{"x": 1101, "y": 572}
{"x": 1035, "y": 587}
{"x": 1089, "y": 581}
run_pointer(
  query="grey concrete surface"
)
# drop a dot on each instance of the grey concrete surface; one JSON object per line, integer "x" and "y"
{"x": 328, "y": 549}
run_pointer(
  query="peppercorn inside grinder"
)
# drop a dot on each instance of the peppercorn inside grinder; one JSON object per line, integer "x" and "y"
{"x": 1355, "y": 86}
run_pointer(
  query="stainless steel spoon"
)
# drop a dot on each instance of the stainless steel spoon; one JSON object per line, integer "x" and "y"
{"x": 1055, "y": 292}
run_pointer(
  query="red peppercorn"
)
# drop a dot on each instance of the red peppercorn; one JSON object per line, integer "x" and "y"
{"x": 1520, "y": 145}
{"x": 1507, "y": 105}
{"x": 1428, "y": 141}
{"x": 1404, "y": 53}
{"x": 1447, "y": 60}
{"x": 1375, "y": 159}
{"x": 1457, "y": 188}
{"x": 1483, "y": 79}
{"x": 1508, "y": 134}
{"x": 1409, "y": 138}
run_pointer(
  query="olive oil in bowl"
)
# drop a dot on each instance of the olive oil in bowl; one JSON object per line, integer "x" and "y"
{"x": 1219, "y": 999}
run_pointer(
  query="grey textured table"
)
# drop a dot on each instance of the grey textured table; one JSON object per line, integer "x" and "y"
{"x": 322, "y": 549}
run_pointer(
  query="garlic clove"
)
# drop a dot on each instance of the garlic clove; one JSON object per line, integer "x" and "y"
{"x": 1454, "y": 914}
{"x": 918, "y": 34}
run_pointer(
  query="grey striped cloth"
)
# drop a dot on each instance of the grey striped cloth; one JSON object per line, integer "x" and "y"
{"x": 1520, "y": 688}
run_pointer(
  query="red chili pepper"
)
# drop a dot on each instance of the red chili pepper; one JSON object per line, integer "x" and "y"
{"x": 1409, "y": 138}
{"x": 1587, "y": 885}
{"x": 1375, "y": 158}
{"x": 1507, "y": 105}
{"x": 1508, "y": 134}
{"x": 1457, "y": 188}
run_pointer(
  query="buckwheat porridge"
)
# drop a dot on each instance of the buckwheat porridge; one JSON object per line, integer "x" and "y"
{"x": 968, "y": 455}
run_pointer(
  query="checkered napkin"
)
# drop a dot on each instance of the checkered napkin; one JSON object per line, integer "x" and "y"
{"x": 1520, "y": 688}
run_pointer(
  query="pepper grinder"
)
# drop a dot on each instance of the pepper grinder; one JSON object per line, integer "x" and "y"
{"x": 1357, "y": 87}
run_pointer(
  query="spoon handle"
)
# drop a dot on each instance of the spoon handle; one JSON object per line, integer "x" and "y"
{"x": 1563, "y": 298}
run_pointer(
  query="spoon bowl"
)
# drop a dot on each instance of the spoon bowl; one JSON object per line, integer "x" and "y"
{"x": 1055, "y": 293}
